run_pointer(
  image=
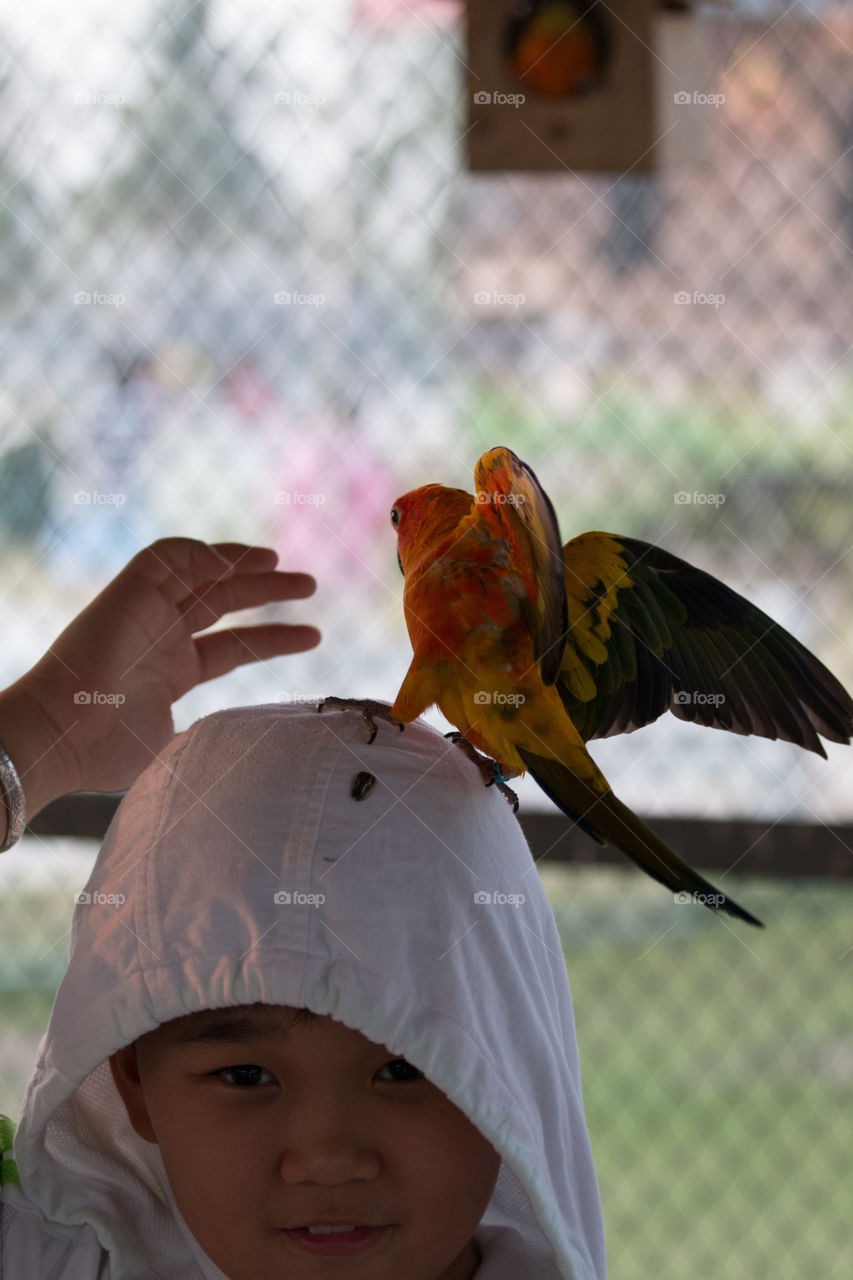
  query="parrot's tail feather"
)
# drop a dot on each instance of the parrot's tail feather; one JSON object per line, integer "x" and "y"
{"x": 607, "y": 819}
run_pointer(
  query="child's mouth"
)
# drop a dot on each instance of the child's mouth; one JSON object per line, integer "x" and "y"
{"x": 336, "y": 1238}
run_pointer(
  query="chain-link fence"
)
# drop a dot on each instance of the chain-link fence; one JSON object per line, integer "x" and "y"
{"x": 242, "y": 281}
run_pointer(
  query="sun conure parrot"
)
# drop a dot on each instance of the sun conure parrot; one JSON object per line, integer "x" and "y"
{"x": 531, "y": 649}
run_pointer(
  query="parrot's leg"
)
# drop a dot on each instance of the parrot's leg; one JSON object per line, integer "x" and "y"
{"x": 489, "y": 768}
{"x": 370, "y": 710}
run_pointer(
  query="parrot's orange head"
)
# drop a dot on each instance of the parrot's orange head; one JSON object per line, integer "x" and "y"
{"x": 424, "y": 516}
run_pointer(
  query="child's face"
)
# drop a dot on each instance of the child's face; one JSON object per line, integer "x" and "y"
{"x": 269, "y": 1123}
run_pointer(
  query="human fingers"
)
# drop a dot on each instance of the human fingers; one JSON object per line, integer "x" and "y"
{"x": 247, "y": 558}
{"x": 222, "y": 651}
{"x": 243, "y": 592}
{"x": 176, "y": 566}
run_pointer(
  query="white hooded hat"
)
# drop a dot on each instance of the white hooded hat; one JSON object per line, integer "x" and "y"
{"x": 270, "y": 854}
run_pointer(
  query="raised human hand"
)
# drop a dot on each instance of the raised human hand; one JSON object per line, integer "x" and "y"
{"x": 96, "y": 708}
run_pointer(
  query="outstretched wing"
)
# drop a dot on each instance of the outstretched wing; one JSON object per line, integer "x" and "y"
{"x": 511, "y": 501}
{"x": 649, "y": 633}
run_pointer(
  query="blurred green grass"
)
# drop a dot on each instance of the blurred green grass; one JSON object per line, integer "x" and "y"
{"x": 717, "y": 1066}
{"x": 717, "y": 1070}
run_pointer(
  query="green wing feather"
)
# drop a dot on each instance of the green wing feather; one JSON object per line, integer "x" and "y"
{"x": 650, "y": 633}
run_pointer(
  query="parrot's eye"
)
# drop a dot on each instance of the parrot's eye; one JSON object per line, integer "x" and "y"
{"x": 395, "y": 516}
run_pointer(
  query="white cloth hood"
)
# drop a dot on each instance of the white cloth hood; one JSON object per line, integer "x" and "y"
{"x": 241, "y": 868}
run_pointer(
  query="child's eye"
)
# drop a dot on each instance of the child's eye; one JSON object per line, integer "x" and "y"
{"x": 244, "y": 1077}
{"x": 399, "y": 1070}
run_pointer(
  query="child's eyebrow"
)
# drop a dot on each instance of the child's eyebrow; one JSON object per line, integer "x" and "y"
{"x": 224, "y": 1025}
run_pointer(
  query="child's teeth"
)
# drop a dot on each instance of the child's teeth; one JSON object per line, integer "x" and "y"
{"x": 329, "y": 1231}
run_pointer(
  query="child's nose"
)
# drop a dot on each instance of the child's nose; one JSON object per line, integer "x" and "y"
{"x": 327, "y": 1147}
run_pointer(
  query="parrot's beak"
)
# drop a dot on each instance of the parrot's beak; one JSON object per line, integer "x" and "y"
{"x": 400, "y": 562}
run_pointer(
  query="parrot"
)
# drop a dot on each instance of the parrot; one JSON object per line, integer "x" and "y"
{"x": 532, "y": 649}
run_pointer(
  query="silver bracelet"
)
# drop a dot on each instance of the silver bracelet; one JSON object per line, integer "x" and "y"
{"x": 13, "y": 796}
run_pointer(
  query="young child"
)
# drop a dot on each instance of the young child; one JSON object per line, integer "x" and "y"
{"x": 315, "y": 1023}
